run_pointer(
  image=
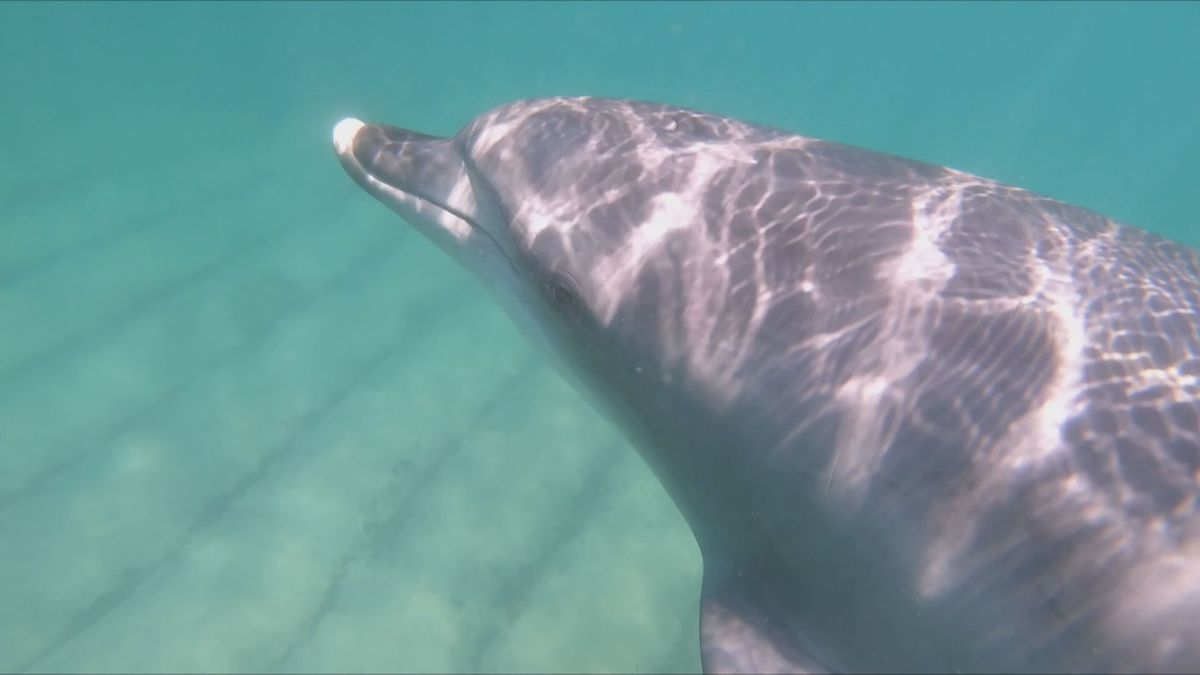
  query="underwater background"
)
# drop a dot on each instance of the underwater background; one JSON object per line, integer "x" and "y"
{"x": 252, "y": 421}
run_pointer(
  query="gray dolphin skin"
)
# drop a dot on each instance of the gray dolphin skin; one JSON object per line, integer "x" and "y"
{"x": 917, "y": 420}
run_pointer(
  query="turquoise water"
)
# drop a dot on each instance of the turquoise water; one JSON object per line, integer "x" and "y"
{"x": 250, "y": 421}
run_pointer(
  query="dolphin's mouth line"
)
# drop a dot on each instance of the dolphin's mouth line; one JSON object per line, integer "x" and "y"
{"x": 427, "y": 200}
{"x": 476, "y": 183}
{"x": 345, "y": 134}
{"x": 383, "y": 182}
{"x": 470, "y": 221}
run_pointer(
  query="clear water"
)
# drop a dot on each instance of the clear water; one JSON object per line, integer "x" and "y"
{"x": 250, "y": 421}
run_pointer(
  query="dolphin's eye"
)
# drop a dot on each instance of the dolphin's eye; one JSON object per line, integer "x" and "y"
{"x": 563, "y": 290}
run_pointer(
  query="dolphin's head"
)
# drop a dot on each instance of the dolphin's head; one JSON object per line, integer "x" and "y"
{"x": 609, "y": 231}
{"x": 581, "y": 215}
{"x": 502, "y": 199}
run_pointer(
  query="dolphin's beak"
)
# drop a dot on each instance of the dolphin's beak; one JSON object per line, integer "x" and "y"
{"x": 344, "y": 133}
{"x": 421, "y": 177}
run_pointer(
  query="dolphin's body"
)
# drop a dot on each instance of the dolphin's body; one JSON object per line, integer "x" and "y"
{"x": 917, "y": 420}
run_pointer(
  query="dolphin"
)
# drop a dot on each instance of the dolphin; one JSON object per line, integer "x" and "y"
{"x": 917, "y": 420}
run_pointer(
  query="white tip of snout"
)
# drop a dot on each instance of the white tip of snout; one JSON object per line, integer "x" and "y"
{"x": 343, "y": 134}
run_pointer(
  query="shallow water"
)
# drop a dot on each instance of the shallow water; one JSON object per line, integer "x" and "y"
{"x": 249, "y": 420}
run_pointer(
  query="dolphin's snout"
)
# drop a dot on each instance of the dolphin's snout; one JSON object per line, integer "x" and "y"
{"x": 413, "y": 162}
{"x": 344, "y": 133}
{"x": 422, "y": 177}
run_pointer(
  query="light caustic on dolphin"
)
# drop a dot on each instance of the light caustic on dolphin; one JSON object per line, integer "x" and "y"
{"x": 917, "y": 420}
